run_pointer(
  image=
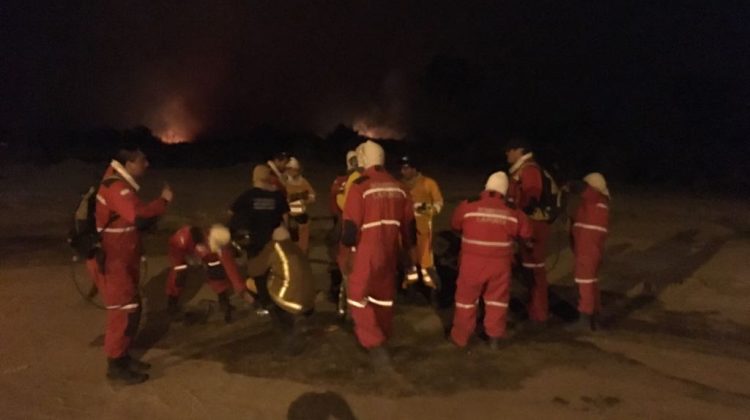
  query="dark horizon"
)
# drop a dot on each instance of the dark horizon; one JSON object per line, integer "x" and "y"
{"x": 661, "y": 82}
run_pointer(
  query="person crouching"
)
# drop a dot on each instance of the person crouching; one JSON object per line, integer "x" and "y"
{"x": 289, "y": 282}
{"x": 212, "y": 248}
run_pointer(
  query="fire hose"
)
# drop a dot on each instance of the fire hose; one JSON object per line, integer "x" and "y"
{"x": 89, "y": 297}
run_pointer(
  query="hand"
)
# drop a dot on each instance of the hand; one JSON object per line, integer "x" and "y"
{"x": 166, "y": 193}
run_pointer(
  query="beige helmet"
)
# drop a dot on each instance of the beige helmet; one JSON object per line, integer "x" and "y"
{"x": 218, "y": 237}
{"x": 497, "y": 182}
{"x": 370, "y": 154}
{"x": 293, "y": 163}
{"x": 597, "y": 182}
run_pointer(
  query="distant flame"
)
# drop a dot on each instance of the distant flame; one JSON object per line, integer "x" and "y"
{"x": 376, "y": 131}
{"x": 174, "y": 123}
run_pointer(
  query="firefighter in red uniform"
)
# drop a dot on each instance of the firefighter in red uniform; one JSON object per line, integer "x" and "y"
{"x": 378, "y": 220}
{"x": 589, "y": 224}
{"x": 120, "y": 217}
{"x": 524, "y": 193}
{"x": 488, "y": 228}
{"x": 213, "y": 250}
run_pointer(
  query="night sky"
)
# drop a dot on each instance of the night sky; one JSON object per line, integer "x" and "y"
{"x": 422, "y": 69}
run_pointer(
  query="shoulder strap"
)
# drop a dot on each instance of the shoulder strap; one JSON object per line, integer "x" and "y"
{"x": 107, "y": 181}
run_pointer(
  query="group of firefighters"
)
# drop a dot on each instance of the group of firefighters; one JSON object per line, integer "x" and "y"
{"x": 383, "y": 227}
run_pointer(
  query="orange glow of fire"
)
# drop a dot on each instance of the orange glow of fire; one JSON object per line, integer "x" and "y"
{"x": 174, "y": 122}
{"x": 376, "y": 131}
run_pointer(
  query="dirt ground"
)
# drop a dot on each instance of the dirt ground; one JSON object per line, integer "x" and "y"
{"x": 676, "y": 343}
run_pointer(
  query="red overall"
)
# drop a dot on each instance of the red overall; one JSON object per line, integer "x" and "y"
{"x": 382, "y": 212}
{"x": 118, "y": 279}
{"x": 221, "y": 265}
{"x": 524, "y": 189}
{"x": 488, "y": 227}
{"x": 589, "y": 231}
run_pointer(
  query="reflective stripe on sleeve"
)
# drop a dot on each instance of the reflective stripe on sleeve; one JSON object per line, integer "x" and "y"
{"x": 117, "y": 230}
{"x": 533, "y": 265}
{"x": 590, "y": 227}
{"x": 126, "y": 307}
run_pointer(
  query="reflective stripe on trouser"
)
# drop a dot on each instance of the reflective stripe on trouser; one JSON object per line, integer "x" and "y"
{"x": 424, "y": 241}
{"x": 488, "y": 278}
{"x": 533, "y": 262}
{"x": 588, "y": 250}
{"x": 119, "y": 291}
{"x": 370, "y": 292}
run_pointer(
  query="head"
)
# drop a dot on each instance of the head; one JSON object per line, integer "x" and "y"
{"x": 280, "y": 160}
{"x": 515, "y": 149}
{"x": 497, "y": 182}
{"x": 280, "y": 234}
{"x": 596, "y": 181}
{"x": 262, "y": 177}
{"x": 293, "y": 168}
{"x": 218, "y": 237}
{"x": 351, "y": 160}
{"x": 133, "y": 160}
{"x": 408, "y": 170}
{"x": 370, "y": 154}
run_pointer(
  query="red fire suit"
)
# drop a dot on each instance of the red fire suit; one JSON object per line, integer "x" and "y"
{"x": 488, "y": 227}
{"x": 222, "y": 269}
{"x": 378, "y": 219}
{"x": 524, "y": 190}
{"x": 118, "y": 212}
{"x": 589, "y": 231}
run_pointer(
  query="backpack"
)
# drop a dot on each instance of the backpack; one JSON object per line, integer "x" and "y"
{"x": 551, "y": 200}
{"x": 83, "y": 236}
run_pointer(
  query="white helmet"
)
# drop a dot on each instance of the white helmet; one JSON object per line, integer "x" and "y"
{"x": 497, "y": 182}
